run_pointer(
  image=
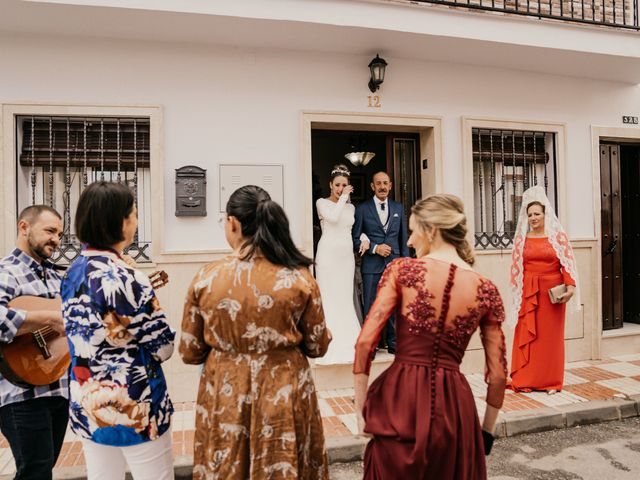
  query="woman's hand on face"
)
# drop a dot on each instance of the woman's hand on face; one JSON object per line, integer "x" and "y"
{"x": 348, "y": 190}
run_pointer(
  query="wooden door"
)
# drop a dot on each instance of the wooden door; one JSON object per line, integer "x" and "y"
{"x": 630, "y": 191}
{"x": 404, "y": 150}
{"x": 611, "y": 230}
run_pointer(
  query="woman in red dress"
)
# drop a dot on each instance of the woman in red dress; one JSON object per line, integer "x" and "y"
{"x": 420, "y": 412}
{"x": 542, "y": 259}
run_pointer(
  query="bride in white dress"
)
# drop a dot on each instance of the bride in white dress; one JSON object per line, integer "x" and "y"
{"x": 335, "y": 268}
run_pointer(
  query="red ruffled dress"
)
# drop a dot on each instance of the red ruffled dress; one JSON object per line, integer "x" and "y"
{"x": 537, "y": 361}
{"x": 421, "y": 411}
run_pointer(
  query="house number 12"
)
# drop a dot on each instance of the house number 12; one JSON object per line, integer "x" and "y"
{"x": 374, "y": 101}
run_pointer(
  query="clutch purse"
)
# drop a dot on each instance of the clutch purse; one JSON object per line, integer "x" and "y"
{"x": 556, "y": 292}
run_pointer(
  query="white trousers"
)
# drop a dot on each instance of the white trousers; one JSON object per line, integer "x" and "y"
{"x": 148, "y": 461}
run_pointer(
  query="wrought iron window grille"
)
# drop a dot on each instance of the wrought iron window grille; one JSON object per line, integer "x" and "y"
{"x": 59, "y": 156}
{"x": 505, "y": 164}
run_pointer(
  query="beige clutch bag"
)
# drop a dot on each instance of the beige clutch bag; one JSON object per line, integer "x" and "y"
{"x": 556, "y": 292}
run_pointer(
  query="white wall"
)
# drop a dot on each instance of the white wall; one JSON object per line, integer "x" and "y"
{"x": 225, "y": 105}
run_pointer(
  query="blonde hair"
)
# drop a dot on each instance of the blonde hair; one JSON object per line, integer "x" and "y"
{"x": 446, "y": 213}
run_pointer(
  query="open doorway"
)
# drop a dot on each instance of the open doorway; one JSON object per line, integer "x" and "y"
{"x": 620, "y": 233}
{"x": 397, "y": 153}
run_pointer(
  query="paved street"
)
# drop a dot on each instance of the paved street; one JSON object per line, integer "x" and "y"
{"x": 608, "y": 451}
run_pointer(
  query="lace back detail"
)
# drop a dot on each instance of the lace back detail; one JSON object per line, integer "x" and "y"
{"x": 421, "y": 315}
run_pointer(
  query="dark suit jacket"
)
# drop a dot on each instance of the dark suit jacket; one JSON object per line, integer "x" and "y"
{"x": 368, "y": 222}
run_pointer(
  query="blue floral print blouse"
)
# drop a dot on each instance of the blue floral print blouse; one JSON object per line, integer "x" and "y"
{"x": 118, "y": 336}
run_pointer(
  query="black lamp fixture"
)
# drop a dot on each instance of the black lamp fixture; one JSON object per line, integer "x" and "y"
{"x": 358, "y": 154}
{"x": 377, "y": 67}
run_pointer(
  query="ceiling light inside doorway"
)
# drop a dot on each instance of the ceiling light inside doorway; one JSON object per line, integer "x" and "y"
{"x": 359, "y": 158}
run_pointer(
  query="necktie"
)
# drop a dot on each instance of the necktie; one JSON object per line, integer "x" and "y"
{"x": 383, "y": 215}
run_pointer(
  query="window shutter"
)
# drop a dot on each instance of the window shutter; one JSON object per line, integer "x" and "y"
{"x": 44, "y": 144}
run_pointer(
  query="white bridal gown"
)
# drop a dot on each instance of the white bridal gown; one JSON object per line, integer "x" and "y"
{"x": 335, "y": 268}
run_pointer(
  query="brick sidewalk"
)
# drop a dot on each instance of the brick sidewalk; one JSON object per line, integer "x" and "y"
{"x": 618, "y": 377}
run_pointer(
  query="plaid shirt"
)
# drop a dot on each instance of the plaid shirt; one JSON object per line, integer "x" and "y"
{"x": 22, "y": 275}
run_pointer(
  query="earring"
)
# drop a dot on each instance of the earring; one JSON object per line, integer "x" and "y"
{"x": 429, "y": 237}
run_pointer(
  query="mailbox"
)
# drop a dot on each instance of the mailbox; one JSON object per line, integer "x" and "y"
{"x": 191, "y": 191}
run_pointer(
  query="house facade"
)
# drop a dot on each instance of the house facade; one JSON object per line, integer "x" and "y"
{"x": 480, "y": 99}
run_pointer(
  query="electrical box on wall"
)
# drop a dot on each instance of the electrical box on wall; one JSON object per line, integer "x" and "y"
{"x": 269, "y": 177}
{"x": 191, "y": 191}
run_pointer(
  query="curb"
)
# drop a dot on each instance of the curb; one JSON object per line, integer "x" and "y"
{"x": 350, "y": 449}
{"x": 567, "y": 416}
{"x": 346, "y": 449}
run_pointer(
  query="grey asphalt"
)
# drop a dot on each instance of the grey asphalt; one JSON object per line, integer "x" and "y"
{"x": 601, "y": 451}
{"x": 605, "y": 451}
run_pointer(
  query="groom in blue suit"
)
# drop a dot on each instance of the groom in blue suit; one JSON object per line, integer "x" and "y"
{"x": 382, "y": 220}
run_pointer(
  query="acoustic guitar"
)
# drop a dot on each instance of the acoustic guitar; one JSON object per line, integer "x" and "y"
{"x": 41, "y": 357}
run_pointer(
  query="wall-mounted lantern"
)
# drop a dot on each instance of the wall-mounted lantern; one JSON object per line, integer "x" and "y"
{"x": 377, "y": 67}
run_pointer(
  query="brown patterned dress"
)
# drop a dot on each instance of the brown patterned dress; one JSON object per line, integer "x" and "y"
{"x": 253, "y": 324}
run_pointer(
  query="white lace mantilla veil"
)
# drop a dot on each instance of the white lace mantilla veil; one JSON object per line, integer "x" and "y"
{"x": 558, "y": 239}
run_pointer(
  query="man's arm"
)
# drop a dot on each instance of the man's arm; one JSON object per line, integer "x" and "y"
{"x": 16, "y": 321}
{"x": 36, "y": 319}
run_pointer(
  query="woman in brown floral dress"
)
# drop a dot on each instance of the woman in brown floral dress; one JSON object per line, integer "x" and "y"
{"x": 253, "y": 318}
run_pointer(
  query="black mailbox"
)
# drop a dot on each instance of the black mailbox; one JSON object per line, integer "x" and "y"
{"x": 191, "y": 191}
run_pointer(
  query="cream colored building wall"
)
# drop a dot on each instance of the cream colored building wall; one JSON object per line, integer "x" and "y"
{"x": 234, "y": 105}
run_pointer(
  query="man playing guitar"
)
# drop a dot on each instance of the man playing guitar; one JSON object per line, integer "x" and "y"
{"x": 32, "y": 419}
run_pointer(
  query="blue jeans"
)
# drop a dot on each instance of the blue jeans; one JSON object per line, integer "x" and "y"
{"x": 35, "y": 431}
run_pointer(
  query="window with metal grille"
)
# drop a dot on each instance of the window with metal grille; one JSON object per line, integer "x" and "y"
{"x": 505, "y": 164}
{"x": 59, "y": 156}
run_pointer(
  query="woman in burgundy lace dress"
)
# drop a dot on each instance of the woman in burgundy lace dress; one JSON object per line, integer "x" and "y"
{"x": 420, "y": 412}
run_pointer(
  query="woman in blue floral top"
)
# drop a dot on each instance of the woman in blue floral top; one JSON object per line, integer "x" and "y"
{"x": 118, "y": 338}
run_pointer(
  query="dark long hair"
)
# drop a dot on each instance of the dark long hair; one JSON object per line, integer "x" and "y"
{"x": 102, "y": 209}
{"x": 265, "y": 226}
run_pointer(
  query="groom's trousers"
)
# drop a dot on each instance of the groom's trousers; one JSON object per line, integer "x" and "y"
{"x": 370, "y": 286}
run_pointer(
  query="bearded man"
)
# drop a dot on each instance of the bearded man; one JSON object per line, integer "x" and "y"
{"x": 383, "y": 222}
{"x": 33, "y": 419}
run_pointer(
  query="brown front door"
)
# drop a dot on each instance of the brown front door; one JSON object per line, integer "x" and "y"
{"x": 630, "y": 191}
{"x": 611, "y": 231}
